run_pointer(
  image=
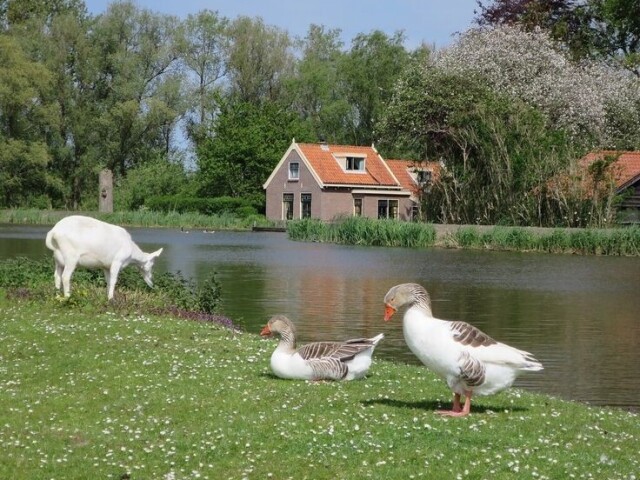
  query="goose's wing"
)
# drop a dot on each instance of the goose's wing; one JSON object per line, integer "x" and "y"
{"x": 328, "y": 368}
{"x": 474, "y": 340}
{"x": 467, "y": 334}
{"x": 341, "y": 351}
{"x": 472, "y": 370}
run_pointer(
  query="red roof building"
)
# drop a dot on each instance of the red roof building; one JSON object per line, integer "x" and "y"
{"x": 327, "y": 181}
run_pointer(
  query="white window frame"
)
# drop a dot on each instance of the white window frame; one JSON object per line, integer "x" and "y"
{"x": 302, "y": 203}
{"x": 293, "y": 177}
{"x": 348, "y": 161}
{"x": 287, "y": 198}
{"x": 387, "y": 204}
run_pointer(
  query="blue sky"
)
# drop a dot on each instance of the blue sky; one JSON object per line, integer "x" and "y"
{"x": 431, "y": 21}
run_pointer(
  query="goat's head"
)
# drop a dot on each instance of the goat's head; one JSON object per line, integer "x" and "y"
{"x": 147, "y": 267}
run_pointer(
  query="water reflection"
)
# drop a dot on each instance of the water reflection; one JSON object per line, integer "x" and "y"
{"x": 578, "y": 315}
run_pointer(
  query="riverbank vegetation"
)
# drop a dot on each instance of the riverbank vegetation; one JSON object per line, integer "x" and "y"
{"x": 141, "y": 218}
{"x": 32, "y": 280}
{"x": 363, "y": 231}
{"x": 390, "y": 233}
{"x": 113, "y": 391}
{"x": 178, "y": 107}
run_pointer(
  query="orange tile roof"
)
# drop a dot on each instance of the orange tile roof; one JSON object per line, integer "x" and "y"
{"x": 625, "y": 169}
{"x": 401, "y": 169}
{"x": 324, "y": 163}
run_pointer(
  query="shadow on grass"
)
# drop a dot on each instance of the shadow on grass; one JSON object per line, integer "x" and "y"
{"x": 431, "y": 405}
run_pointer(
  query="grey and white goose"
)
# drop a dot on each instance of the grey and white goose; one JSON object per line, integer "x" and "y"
{"x": 468, "y": 359}
{"x": 347, "y": 360}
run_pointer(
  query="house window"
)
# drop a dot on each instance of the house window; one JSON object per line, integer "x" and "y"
{"x": 357, "y": 207}
{"x": 415, "y": 212}
{"x": 354, "y": 164}
{"x": 287, "y": 206}
{"x": 423, "y": 177}
{"x": 294, "y": 171}
{"x": 387, "y": 208}
{"x": 305, "y": 199}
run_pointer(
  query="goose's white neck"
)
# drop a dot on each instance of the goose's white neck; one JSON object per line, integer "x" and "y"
{"x": 287, "y": 342}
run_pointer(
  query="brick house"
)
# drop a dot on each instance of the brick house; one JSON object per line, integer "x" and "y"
{"x": 326, "y": 181}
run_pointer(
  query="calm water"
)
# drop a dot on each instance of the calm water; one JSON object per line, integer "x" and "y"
{"x": 580, "y": 316}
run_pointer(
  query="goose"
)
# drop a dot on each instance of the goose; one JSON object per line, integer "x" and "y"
{"x": 468, "y": 359}
{"x": 320, "y": 360}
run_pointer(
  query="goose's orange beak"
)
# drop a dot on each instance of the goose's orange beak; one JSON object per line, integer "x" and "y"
{"x": 265, "y": 332}
{"x": 388, "y": 312}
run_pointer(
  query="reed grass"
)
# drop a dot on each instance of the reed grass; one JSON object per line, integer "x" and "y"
{"x": 623, "y": 241}
{"x": 614, "y": 241}
{"x": 364, "y": 231}
{"x": 141, "y": 218}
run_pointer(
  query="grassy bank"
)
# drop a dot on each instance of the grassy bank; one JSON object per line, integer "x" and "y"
{"x": 364, "y": 231}
{"x": 113, "y": 395}
{"x": 139, "y": 219}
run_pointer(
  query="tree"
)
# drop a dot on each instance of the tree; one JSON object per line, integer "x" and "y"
{"x": 497, "y": 153}
{"x": 15, "y": 13}
{"x": 617, "y": 26}
{"x": 565, "y": 20}
{"x": 315, "y": 91}
{"x": 368, "y": 72}
{"x": 25, "y": 118}
{"x": 205, "y": 51}
{"x": 601, "y": 29}
{"x": 260, "y": 58}
{"x": 136, "y": 51}
{"x": 67, "y": 53}
{"x": 156, "y": 177}
{"x": 592, "y": 101}
{"x": 249, "y": 141}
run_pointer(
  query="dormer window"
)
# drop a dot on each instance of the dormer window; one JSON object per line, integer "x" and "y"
{"x": 354, "y": 164}
{"x": 423, "y": 177}
{"x": 294, "y": 171}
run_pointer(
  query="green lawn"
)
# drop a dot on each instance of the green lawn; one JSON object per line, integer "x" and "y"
{"x": 97, "y": 394}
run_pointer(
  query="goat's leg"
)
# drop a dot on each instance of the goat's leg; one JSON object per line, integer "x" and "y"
{"x": 112, "y": 278}
{"x": 69, "y": 267}
{"x": 57, "y": 275}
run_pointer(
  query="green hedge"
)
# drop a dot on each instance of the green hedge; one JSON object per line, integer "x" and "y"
{"x": 207, "y": 206}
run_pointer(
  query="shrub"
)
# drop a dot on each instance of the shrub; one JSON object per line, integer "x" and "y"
{"x": 206, "y": 206}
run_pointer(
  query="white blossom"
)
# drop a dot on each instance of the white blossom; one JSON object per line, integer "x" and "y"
{"x": 584, "y": 99}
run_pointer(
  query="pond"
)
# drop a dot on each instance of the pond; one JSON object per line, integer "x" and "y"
{"x": 579, "y": 315}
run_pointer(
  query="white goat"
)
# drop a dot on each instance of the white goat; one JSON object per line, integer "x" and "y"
{"x": 90, "y": 243}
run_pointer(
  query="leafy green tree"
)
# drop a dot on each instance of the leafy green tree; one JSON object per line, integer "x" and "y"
{"x": 67, "y": 53}
{"x": 135, "y": 53}
{"x": 617, "y": 26}
{"x": 315, "y": 90}
{"x": 25, "y": 119}
{"x": 204, "y": 53}
{"x": 608, "y": 29}
{"x": 567, "y": 21}
{"x": 260, "y": 58}
{"x": 497, "y": 154}
{"x": 249, "y": 141}
{"x": 368, "y": 72}
{"x": 19, "y": 12}
{"x": 156, "y": 177}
